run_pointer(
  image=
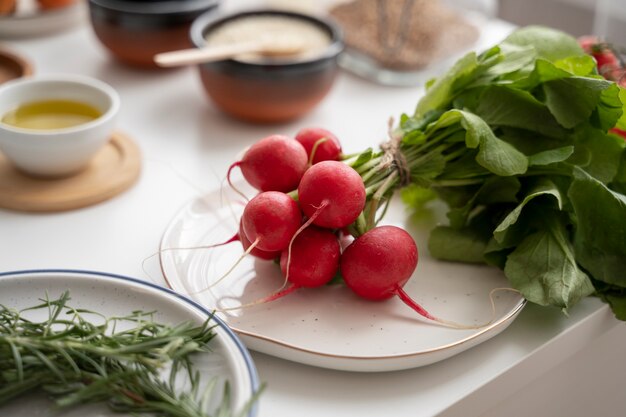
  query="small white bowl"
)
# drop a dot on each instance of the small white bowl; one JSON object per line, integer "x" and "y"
{"x": 57, "y": 152}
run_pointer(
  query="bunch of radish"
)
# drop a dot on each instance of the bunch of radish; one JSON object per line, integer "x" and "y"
{"x": 308, "y": 198}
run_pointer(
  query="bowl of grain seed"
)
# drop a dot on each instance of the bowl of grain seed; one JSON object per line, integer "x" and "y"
{"x": 264, "y": 88}
{"x": 394, "y": 41}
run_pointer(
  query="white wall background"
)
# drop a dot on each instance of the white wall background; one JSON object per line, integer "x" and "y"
{"x": 606, "y": 18}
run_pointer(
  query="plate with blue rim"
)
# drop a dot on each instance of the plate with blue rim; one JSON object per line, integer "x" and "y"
{"x": 116, "y": 295}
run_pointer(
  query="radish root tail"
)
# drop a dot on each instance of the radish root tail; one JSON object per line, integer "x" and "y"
{"x": 275, "y": 296}
{"x": 230, "y": 183}
{"x": 235, "y": 238}
{"x": 399, "y": 291}
{"x": 304, "y": 226}
{"x": 231, "y": 269}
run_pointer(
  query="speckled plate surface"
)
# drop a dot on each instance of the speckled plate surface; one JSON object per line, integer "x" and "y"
{"x": 330, "y": 327}
{"x": 116, "y": 295}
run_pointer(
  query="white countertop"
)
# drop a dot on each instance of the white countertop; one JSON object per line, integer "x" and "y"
{"x": 187, "y": 146}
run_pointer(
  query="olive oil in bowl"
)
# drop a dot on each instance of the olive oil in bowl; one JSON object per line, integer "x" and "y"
{"x": 51, "y": 115}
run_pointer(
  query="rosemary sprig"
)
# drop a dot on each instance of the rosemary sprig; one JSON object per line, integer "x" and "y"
{"x": 79, "y": 356}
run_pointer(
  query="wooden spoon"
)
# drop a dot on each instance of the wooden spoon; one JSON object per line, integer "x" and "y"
{"x": 267, "y": 47}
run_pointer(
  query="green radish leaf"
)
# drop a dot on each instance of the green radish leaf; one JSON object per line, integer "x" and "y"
{"x": 603, "y": 151}
{"x": 457, "y": 196}
{"x": 494, "y": 190}
{"x": 428, "y": 170}
{"x": 610, "y": 110}
{"x": 498, "y": 190}
{"x": 409, "y": 124}
{"x": 551, "y": 156}
{"x": 530, "y": 143}
{"x": 494, "y": 154}
{"x": 619, "y": 181}
{"x": 621, "y": 122}
{"x": 441, "y": 92}
{"x": 500, "y": 157}
{"x": 542, "y": 187}
{"x": 572, "y": 100}
{"x": 549, "y": 44}
{"x": 543, "y": 71}
{"x": 415, "y": 196}
{"x": 414, "y": 137}
{"x": 504, "y": 106}
{"x": 462, "y": 245}
{"x": 600, "y": 235}
{"x": 458, "y": 245}
{"x": 617, "y": 302}
{"x": 496, "y": 253}
{"x": 514, "y": 58}
{"x": 614, "y": 296}
{"x": 464, "y": 167}
{"x": 543, "y": 267}
{"x": 364, "y": 157}
{"x": 581, "y": 65}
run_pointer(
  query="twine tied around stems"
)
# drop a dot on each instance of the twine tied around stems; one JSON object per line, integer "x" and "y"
{"x": 393, "y": 156}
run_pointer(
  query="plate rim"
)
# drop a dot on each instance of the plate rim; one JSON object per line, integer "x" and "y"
{"x": 506, "y": 319}
{"x": 243, "y": 350}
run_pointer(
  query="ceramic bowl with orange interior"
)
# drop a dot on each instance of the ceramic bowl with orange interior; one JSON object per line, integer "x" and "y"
{"x": 269, "y": 89}
{"x": 136, "y": 30}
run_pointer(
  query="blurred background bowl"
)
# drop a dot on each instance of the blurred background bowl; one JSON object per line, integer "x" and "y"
{"x": 272, "y": 90}
{"x": 38, "y": 18}
{"x": 135, "y": 30}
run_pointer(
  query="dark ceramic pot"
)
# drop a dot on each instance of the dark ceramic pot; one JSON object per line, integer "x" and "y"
{"x": 269, "y": 91}
{"x": 136, "y": 30}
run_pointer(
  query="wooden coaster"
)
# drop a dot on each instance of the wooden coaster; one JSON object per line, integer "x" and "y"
{"x": 113, "y": 169}
{"x": 13, "y": 66}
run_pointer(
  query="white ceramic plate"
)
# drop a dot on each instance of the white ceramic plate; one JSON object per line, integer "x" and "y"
{"x": 28, "y": 21}
{"x": 115, "y": 295}
{"x": 330, "y": 327}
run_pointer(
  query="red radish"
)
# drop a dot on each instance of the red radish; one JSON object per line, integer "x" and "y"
{"x": 314, "y": 258}
{"x": 618, "y": 132}
{"x": 313, "y": 261}
{"x": 256, "y": 252}
{"x": 588, "y": 42}
{"x": 275, "y": 163}
{"x": 320, "y": 144}
{"x": 332, "y": 194}
{"x": 270, "y": 220}
{"x": 606, "y": 59}
{"x": 378, "y": 264}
